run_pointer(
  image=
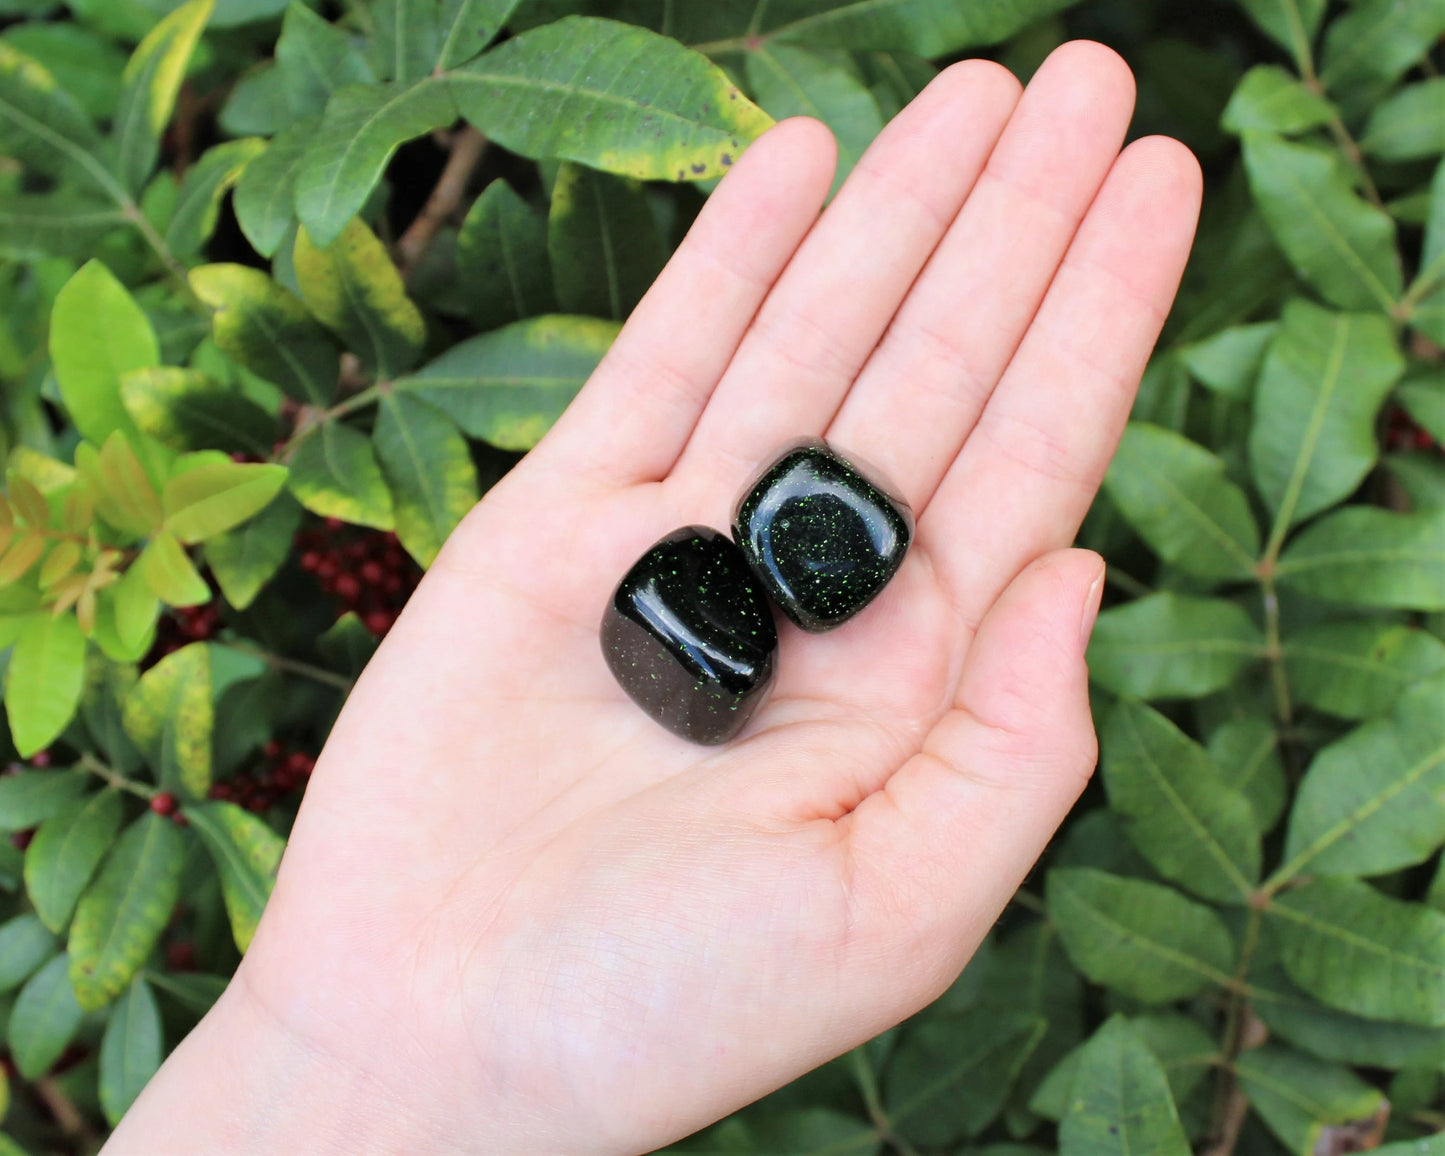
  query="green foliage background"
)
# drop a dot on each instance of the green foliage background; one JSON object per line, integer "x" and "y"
{"x": 229, "y": 310}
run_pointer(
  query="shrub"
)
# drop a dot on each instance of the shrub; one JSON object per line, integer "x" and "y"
{"x": 284, "y": 292}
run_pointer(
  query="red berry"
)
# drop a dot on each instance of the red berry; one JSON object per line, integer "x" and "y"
{"x": 334, "y": 524}
{"x": 258, "y": 803}
{"x": 378, "y": 622}
{"x": 327, "y": 569}
{"x": 348, "y": 587}
{"x": 21, "y": 839}
{"x": 300, "y": 763}
{"x": 181, "y": 955}
{"x": 221, "y": 791}
{"x": 392, "y": 585}
{"x": 163, "y": 803}
{"x": 272, "y": 749}
{"x": 372, "y": 573}
{"x": 310, "y": 561}
{"x": 40, "y": 759}
{"x": 180, "y": 820}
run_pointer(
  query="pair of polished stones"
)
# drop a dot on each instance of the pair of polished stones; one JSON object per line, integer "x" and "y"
{"x": 689, "y": 634}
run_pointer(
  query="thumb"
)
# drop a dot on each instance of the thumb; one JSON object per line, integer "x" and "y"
{"x": 944, "y": 846}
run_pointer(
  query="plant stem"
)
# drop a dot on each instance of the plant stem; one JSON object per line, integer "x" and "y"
{"x": 1230, "y": 1102}
{"x": 868, "y": 1087}
{"x": 114, "y": 778}
{"x": 158, "y": 245}
{"x": 467, "y": 149}
{"x": 295, "y": 666}
{"x": 1126, "y": 582}
{"x": 1283, "y": 706}
{"x": 1031, "y": 902}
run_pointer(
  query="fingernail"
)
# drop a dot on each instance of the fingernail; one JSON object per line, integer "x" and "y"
{"x": 1091, "y": 608}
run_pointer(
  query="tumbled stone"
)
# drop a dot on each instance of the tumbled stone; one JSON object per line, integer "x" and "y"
{"x": 823, "y": 537}
{"x": 690, "y": 637}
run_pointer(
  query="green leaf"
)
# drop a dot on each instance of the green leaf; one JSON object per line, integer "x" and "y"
{"x": 1300, "y": 1097}
{"x": 1324, "y": 379}
{"x": 85, "y": 65}
{"x": 44, "y": 1019}
{"x": 1358, "y": 669}
{"x": 1120, "y": 1100}
{"x": 247, "y": 854}
{"x": 923, "y": 27}
{"x": 1172, "y": 646}
{"x": 122, "y": 914}
{"x": 790, "y": 81}
{"x": 40, "y": 123}
{"x": 334, "y": 473}
{"x": 1146, "y": 940}
{"x": 1271, "y": 99}
{"x": 1420, "y": 477}
{"x": 1423, "y": 396}
{"x": 1175, "y": 494}
{"x": 468, "y": 26}
{"x": 35, "y": 226}
{"x": 502, "y": 262}
{"x": 25, "y": 944}
{"x": 1370, "y": 557}
{"x": 1246, "y": 753}
{"x": 315, "y": 58}
{"x": 263, "y": 327}
{"x": 1409, "y": 125}
{"x": 265, "y": 197}
{"x": 1362, "y": 952}
{"x": 363, "y": 127}
{"x": 1292, "y": 24}
{"x": 168, "y": 573}
{"x": 130, "y": 1051}
{"x": 572, "y": 90}
{"x": 65, "y": 852}
{"x": 799, "y": 1132}
{"x": 149, "y": 87}
{"x": 1182, "y": 815}
{"x": 97, "y": 335}
{"x": 429, "y": 469}
{"x": 405, "y": 38}
{"x": 1342, "y": 245}
{"x": 195, "y": 992}
{"x": 950, "y": 1076}
{"x": 245, "y": 559}
{"x": 257, "y": 104}
{"x": 198, "y": 204}
{"x": 190, "y": 410}
{"x": 216, "y": 496}
{"x": 1184, "y": 1050}
{"x": 1374, "y": 801}
{"x": 1229, "y": 361}
{"x": 1377, "y": 42}
{"x": 354, "y": 289}
{"x": 507, "y": 387}
{"x": 169, "y": 716}
{"x": 31, "y": 797}
{"x": 44, "y": 680}
{"x": 1429, "y": 315}
{"x": 603, "y": 241}
{"x": 1339, "y": 1036}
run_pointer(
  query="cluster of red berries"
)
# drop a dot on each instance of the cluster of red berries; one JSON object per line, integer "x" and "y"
{"x": 366, "y": 570}
{"x": 283, "y": 772}
{"x": 1401, "y": 433}
{"x": 184, "y": 625}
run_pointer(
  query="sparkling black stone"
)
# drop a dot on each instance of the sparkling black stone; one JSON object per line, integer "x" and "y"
{"x": 690, "y": 637}
{"x": 822, "y": 537}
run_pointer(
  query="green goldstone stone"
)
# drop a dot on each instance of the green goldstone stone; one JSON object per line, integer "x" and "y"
{"x": 822, "y": 537}
{"x": 690, "y": 637}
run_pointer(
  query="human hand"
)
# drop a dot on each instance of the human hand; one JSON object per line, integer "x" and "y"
{"x": 515, "y": 914}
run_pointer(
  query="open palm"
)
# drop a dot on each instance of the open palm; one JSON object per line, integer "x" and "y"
{"x": 516, "y": 915}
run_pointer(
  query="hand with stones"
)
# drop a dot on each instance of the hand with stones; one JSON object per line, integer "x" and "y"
{"x": 517, "y": 916}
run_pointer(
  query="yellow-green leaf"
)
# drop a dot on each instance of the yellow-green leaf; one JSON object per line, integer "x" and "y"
{"x": 122, "y": 914}
{"x": 265, "y": 328}
{"x": 169, "y": 716}
{"x": 214, "y": 497}
{"x": 334, "y": 473}
{"x": 572, "y": 89}
{"x": 507, "y": 387}
{"x": 149, "y": 87}
{"x": 354, "y": 289}
{"x": 247, "y": 855}
{"x": 429, "y": 469}
{"x": 44, "y": 681}
{"x": 97, "y": 334}
{"x": 170, "y": 574}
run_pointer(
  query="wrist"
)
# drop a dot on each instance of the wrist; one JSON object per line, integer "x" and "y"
{"x": 242, "y": 1082}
